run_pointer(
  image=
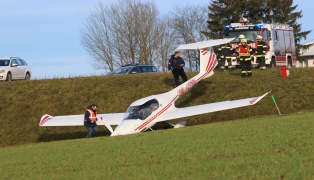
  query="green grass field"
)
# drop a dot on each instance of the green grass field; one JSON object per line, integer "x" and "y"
{"x": 269, "y": 147}
{"x": 22, "y": 103}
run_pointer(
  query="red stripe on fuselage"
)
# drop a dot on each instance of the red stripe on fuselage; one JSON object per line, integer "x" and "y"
{"x": 209, "y": 67}
{"x": 210, "y": 62}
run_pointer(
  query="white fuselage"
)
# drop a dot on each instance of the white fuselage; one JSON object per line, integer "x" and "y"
{"x": 136, "y": 125}
{"x": 166, "y": 103}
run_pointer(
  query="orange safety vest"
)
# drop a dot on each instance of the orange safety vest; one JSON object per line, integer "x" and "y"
{"x": 92, "y": 116}
{"x": 244, "y": 52}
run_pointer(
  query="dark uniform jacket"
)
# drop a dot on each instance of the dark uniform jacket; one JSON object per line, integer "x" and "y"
{"x": 225, "y": 51}
{"x": 261, "y": 49}
{"x": 174, "y": 63}
{"x": 87, "y": 120}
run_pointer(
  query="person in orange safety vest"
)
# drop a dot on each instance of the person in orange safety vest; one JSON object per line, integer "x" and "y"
{"x": 90, "y": 119}
{"x": 245, "y": 52}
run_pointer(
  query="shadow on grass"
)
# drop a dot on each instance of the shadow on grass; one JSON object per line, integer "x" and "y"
{"x": 80, "y": 135}
{"x": 234, "y": 72}
{"x": 195, "y": 93}
{"x": 70, "y": 135}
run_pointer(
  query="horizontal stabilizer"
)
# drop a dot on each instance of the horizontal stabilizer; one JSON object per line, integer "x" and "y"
{"x": 204, "y": 44}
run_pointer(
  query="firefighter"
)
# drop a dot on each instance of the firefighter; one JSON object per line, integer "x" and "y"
{"x": 90, "y": 120}
{"x": 224, "y": 53}
{"x": 240, "y": 38}
{"x": 175, "y": 65}
{"x": 245, "y": 53}
{"x": 260, "y": 52}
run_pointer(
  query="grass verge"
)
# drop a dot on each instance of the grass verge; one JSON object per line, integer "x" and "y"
{"x": 271, "y": 147}
{"x": 22, "y": 103}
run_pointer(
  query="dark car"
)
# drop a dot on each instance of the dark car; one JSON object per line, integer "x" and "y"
{"x": 135, "y": 69}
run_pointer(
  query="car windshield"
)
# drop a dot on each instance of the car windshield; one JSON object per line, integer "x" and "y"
{"x": 121, "y": 70}
{"x": 141, "y": 112}
{"x": 250, "y": 35}
{"x": 4, "y": 62}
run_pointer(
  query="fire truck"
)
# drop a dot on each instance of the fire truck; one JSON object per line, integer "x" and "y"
{"x": 281, "y": 49}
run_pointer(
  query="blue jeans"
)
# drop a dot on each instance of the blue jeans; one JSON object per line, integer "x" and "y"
{"x": 91, "y": 131}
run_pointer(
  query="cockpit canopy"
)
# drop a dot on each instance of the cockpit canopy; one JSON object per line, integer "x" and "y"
{"x": 143, "y": 111}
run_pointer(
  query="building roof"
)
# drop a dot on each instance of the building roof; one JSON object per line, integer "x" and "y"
{"x": 310, "y": 51}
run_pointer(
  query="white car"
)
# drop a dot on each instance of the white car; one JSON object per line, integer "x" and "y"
{"x": 14, "y": 69}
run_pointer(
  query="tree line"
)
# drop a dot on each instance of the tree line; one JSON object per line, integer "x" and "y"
{"x": 131, "y": 31}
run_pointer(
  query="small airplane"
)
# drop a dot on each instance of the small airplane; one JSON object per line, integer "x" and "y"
{"x": 146, "y": 112}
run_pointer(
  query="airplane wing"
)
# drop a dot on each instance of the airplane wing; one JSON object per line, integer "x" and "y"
{"x": 207, "y": 108}
{"x": 78, "y": 120}
{"x": 204, "y": 44}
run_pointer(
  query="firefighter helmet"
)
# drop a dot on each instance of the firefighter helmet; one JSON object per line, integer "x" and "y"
{"x": 243, "y": 41}
{"x": 259, "y": 37}
{"x": 241, "y": 36}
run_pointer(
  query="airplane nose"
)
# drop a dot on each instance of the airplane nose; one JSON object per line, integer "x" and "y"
{"x": 126, "y": 127}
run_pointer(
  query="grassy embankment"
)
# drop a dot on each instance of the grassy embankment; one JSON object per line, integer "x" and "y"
{"x": 22, "y": 103}
{"x": 271, "y": 147}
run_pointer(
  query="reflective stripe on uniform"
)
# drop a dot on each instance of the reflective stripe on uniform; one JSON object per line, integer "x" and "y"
{"x": 245, "y": 58}
{"x": 92, "y": 115}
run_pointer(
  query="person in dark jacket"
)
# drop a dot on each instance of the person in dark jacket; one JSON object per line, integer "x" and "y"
{"x": 224, "y": 53}
{"x": 175, "y": 65}
{"x": 90, "y": 120}
{"x": 260, "y": 52}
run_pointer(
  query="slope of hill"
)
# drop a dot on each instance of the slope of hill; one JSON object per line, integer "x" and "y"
{"x": 270, "y": 147}
{"x": 22, "y": 103}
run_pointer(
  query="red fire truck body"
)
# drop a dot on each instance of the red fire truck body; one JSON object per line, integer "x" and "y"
{"x": 281, "y": 49}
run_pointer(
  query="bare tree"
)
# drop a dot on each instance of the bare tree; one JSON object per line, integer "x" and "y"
{"x": 97, "y": 38}
{"x": 167, "y": 44}
{"x": 189, "y": 23}
{"x": 127, "y": 31}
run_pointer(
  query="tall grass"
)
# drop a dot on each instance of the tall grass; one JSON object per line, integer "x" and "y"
{"x": 22, "y": 103}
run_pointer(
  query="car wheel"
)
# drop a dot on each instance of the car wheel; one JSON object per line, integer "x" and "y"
{"x": 27, "y": 76}
{"x": 9, "y": 77}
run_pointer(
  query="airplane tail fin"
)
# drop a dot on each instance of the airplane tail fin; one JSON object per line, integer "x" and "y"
{"x": 208, "y": 62}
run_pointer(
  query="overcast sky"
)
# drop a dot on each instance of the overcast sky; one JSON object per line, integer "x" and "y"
{"x": 46, "y": 33}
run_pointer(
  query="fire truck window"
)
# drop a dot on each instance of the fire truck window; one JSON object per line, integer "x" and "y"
{"x": 274, "y": 35}
{"x": 265, "y": 35}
